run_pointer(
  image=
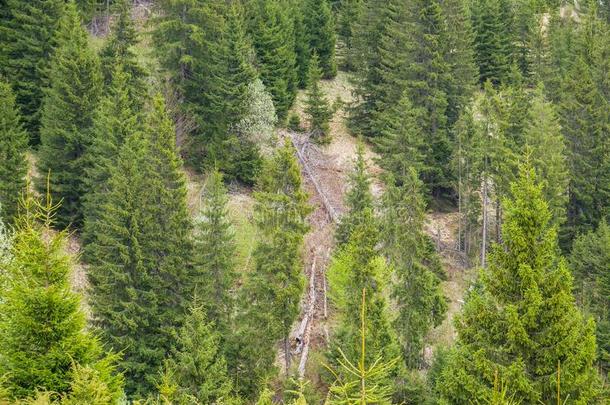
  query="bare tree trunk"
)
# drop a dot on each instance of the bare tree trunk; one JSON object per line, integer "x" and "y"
{"x": 498, "y": 237}
{"x": 459, "y": 237}
{"x": 484, "y": 237}
{"x": 287, "y": 352}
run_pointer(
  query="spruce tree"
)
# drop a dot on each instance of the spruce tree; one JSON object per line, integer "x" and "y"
{"x": 197, "y": 367}
{"x": 590, "y": 264}
{"x": 546, "y": 151}
{"x": 114, "y": 121}
{"x": 493, "y": 39}
{"x": 42, "y": 326}
{"x": 301, "y": 43}
{"x": 459, "y": 54}
{"x": 118, "y": 50}
{"x": 348, "y": 15}
{"x": 583, "y": 111}
{"x": 416, "y": 289}
{"x": 380, "y": 53}
{"x": 358, "y": 198}
{"x": 316, "y": 104}
{"x": 214, "y": 256}
{"x": 212, "y": 71}
{"x": 67, "y": 117}
{"x": 273, "y": 289}
{"x": 13, "y": 146}
{"x": 522, "y": 322}
{"x": 468, "y": 183}
{"x": 273, "y": 38}
{"x": 140, "y": 258}
{"x": 320, "y": 32}
{"x": 25, "y": 51}
{"x": 401, "y": 144}
{"x": 428, "y": 72}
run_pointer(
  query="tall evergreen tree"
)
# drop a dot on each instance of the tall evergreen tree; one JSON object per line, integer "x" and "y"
{"x": 273, "y": 38}
{"x": 492, "y": 23}
{"x": 546, "y": 150}
{"x": 67, "y": 116}
{"x": 118, "y": 50}
{"x": 380, "y": 53}
{"x": 214, "y": 256}
{"x": 316, "y": 104}
{"x": 522, "y": 322}
{"x": 348, "y": 15}
{"x": 114, "y": 121}
{"x": 468, "y": 183}
{"x": 301, "y": 42}
{"x": 416, "y": 289}
{"x": 42, "y": 326}
{"x": 358, "y": 198}
{"x": 320, "y": 32}
{"x": 140, "y": 259}
{"x": 203, "y": 45}
{"x": 401, "y": 144}
{"x": 197, "y": 367}
{"x": 25, "y": 51}
{"x": 584, "y": 116}
{"x": 590, "y": 265}
{"x": 460, "y": 83}
{"x": 273, "y": 289}
{"x": 427, "y": 74}
{"x": 13, "y": 145}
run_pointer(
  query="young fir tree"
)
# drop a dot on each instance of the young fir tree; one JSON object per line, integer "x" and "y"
{"x": 416, "y": 288}
{"x": 358, "y": 198}
{"x": 372, "y": 383}
{"x": 355, "y": 267}
{"x": 316, "y": 104}
{"x": 546, "y": 150}
{"x": 67, "y": 116}
{"x": 320, "y": 32}
{"x": 522, "y": 322}
{"x": 273, "y": 38}
{"x": 273, "y": 289}
{"x": 13, "y": 146}
{"x": 42, "y": 326}
{"x": 118, "y": 50}
{"x": 493, "y": 39}
{"x": 114, "y": 121}
{"x": 140, "y": 259}
{"x": 214, "y": 256}
{"x": 428, "y": 72}
{"x": 25, "y": 51}
{"x": 380, "y": 53}
{"x": 197, "y": 367}
{"x": 590, "y": 264}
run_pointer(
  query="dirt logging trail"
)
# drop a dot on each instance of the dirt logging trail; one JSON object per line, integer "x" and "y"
{"x": 325, "y": 171}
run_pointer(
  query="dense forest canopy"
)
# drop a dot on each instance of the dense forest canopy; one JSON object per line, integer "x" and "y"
{"x": 304, "y": 202}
